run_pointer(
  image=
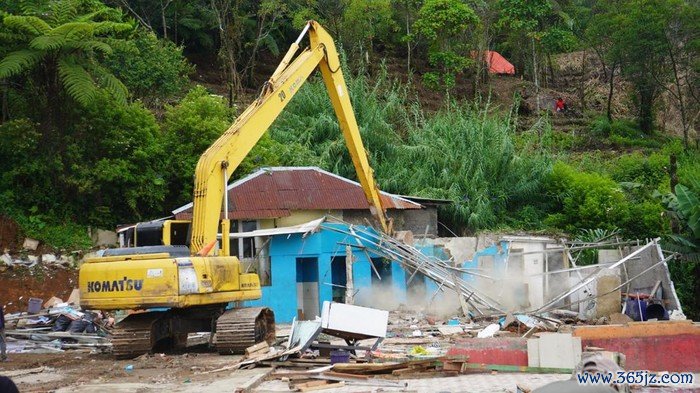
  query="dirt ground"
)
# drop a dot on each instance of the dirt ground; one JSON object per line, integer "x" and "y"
{"x": 17, "y": 285}
{"x": 74, "y": 372}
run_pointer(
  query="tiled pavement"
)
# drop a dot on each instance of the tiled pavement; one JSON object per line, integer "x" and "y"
{"x": 473, "y": 383}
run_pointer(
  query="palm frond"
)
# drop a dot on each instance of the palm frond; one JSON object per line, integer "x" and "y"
{"x": 33, "y": 7}
{"x": 109, "y": 82}
{"x": 63, "y": 11}
{"x": 48, "y": 42}
{"x": 28, "y": 24}
{"x": 107, "y": 27}
{"x": 17, "y": 62}
{"x": 77, "y": 81}
{"x": 269, "y": 42}
{"x": 102, "y": 14}
{"x": 91, "y": 46}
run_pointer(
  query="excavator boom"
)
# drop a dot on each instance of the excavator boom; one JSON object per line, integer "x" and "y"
{"x": 221, "y": 159}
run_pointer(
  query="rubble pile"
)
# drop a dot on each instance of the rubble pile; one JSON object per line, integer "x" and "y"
{"x": 56, "y": 326}
{"x": 29, "y": 261}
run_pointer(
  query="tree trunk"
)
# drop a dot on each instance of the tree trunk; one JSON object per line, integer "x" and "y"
{"x": 582, "y": 84}
{"x": 646, "y": 108}
{"x": 5, "y": 106}
{"x": 162, "y": 17}
{"x": 611, "y": 89}
{"x": 679, "y": 97}
{"x": 536, "y": 78}
{"x": 551, "y": 69}
{"x": 408, "y": 34}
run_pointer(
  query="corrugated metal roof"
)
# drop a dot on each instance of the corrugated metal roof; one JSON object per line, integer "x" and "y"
{"x": 275, "y": 192}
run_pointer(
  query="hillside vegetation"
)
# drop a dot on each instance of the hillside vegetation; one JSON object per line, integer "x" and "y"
{"x": 107, "y": 105}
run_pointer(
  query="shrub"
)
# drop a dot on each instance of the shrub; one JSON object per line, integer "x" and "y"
{"x": 585, "y": 200}
{"x": 649, "y": 171}
{"x": 601, "y": 126}
{"x": 188, "y": 130}
{"x": 625, "y": 128}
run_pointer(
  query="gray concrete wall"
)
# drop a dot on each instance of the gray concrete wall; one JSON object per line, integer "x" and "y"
{"x": 415, "y": 221}
{"x": 645, "y": 282}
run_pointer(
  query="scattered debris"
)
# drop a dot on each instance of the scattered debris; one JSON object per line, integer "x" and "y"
{"x": 56, "y": 328}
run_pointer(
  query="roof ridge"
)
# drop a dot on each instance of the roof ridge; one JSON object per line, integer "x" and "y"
{"x": 264, "y": 170}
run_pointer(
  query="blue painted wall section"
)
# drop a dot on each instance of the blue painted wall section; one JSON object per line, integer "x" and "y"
{"x": 281, "y": 296}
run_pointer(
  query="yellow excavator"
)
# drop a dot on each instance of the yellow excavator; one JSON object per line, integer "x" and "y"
{"x": 177, "y": 290}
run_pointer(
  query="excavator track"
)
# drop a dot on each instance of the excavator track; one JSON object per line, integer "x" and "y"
{"x": 132, "y": 336}
{"x": 238, "y": 329}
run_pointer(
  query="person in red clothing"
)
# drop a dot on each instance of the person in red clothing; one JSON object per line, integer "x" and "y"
{"x": 560, "y": 105}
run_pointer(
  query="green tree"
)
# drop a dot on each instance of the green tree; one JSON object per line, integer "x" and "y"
{"x": 189, "y": 128}
{"x": 366, "y": 21}
{"x": 61, "y": 46}
{"x": 446, "y": 25}
{"x": 684, "y": 208}
{"x": 107, "y": 169}
{"x": 537, "y": 26}
{"x": 657, "y": 43}
{"x": 113, "y": 164}
{"x": 599, "y": 35}
{"x": 194, "y": 124}
{"x": 640, "y": 35}
{"x": 153, "y": 70}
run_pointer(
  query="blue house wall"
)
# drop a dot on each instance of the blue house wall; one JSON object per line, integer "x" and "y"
{"x": 284, "y": 251}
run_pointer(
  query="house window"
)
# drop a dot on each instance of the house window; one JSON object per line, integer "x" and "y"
{"x": 244, "y": 247}
{"x": 252, "y": 251}
{"x": 247, "y": 245}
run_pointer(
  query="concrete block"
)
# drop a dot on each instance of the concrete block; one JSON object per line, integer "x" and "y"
{"x": 30, "y": 244}
{"x": 559, "y": 350}
{"x": 104, "y": 238}
{"x": 533, "y": 352}
{"x": 608, "y": 304}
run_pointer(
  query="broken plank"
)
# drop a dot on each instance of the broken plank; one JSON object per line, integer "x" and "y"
{"x": 460, "y": 367}
{"x": 257, "y": 347}
{"x": 332, "y": 385}
{"x": 310, "y": 384}
{"x": 418, "y": 374}
{"x": 345, "y": 375}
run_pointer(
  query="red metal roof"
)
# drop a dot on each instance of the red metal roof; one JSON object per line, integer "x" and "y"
{"x": 276, "y": 192}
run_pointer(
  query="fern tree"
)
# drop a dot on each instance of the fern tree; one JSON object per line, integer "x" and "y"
{"x": 59, "y": 47}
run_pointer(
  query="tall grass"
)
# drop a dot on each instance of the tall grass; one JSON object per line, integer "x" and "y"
{"x": 464, "y": 153}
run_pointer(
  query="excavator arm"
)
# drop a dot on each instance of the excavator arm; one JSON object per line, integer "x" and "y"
{"x": 222, "y": 158}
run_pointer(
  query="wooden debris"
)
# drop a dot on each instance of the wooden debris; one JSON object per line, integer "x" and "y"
{"x": 318, "y": 385}
{"x": 259, "y": 347}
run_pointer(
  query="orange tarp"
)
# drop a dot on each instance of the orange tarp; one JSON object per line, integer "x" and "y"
{"x": 497, "y": 63}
